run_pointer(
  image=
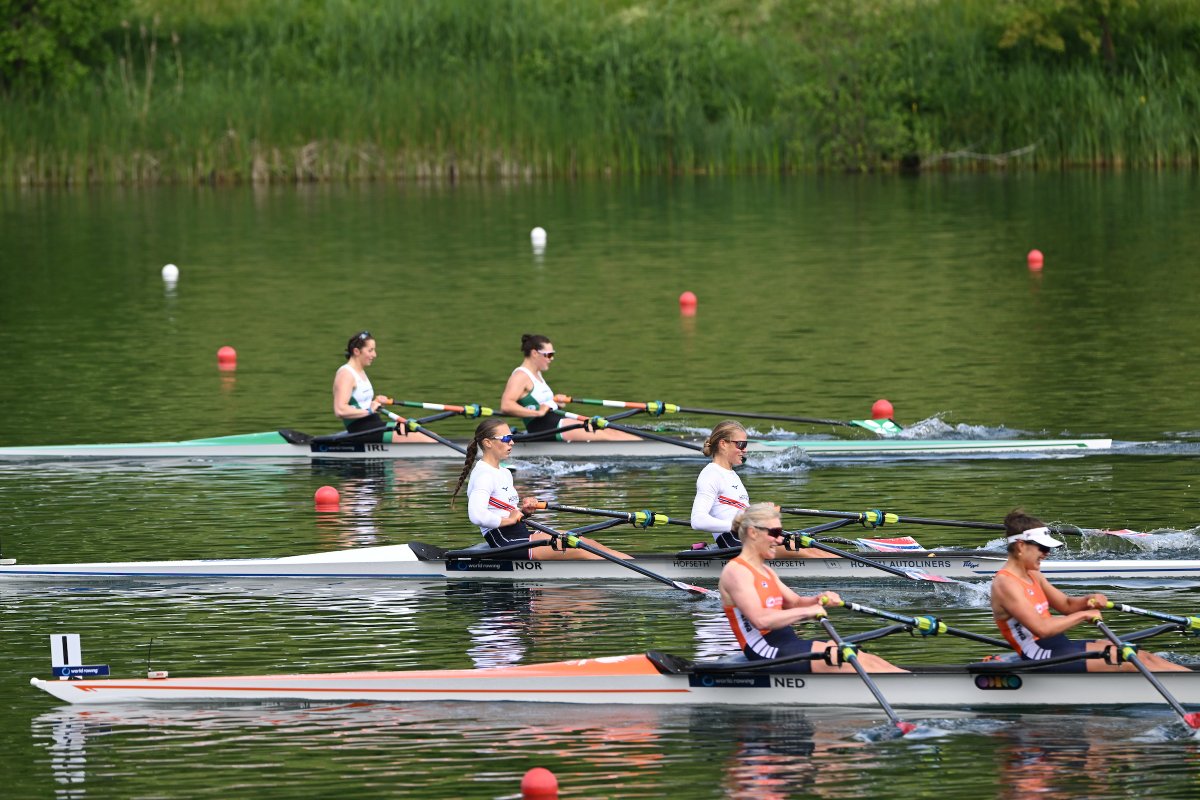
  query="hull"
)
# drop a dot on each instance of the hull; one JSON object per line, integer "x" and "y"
{"x": 273, "y": 446}
{"x": 396, "y": 562}
{"x": 640, "y": 679}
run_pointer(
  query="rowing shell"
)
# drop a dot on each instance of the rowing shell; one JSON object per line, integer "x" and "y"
{"x": 420, "y": 561}
{"x": 651, "y": 679}
{"x": 273, "y": 445}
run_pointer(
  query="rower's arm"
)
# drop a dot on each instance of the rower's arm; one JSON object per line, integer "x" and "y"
{"x": 343, "y": 388}
{"x": 1066, "y": 604}
{"x": 1011, "y": 599}
{"x": 517, "y": 387}
{"x": 739, "y": 586}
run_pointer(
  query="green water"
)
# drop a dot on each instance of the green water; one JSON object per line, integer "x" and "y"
{"x": 816, "y": 297}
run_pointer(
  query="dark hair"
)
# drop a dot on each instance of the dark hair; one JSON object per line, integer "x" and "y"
{"x": 357, "y": 342}
{"x": 723, "y": 432}
{"x": 482, "y": 431}
{"x": 532, "y": 341}
{"x": 1018, "y": 521}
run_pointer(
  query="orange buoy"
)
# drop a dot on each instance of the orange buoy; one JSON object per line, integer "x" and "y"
{"x": 1035, "y": 259}
{"x": 539, "y": 784}
{"x": 327, "y": 497}
{"x": 227, "y": 356}
{"x": 882, "y": 409}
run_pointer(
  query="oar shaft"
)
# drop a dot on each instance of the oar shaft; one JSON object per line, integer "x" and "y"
{"x": 1188, "y": 623}
{"x": 602, "y": 423}
{"x": 883, "y": 518}
{"x": 659, "y": 407}
{"x": 471, "y": 410}
{"x": 804, "y": 540}
{"x": 850, "y": 653}
{"x": 413, "y": 425}
{"x": 931, "y": 624}
{"x": 1129, "y": 653}
{"x": 574, "y": 541}
{"x": 645, "y": 518}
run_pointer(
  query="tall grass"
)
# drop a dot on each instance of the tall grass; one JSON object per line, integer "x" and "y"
{"x": 318, "y": 90}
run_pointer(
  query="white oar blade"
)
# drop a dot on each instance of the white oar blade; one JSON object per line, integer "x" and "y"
{"x": 894, "y": 545}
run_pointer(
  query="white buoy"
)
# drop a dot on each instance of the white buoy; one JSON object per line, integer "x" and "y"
{"x": 538, "y": 237}
{"x": 170, "y": 273}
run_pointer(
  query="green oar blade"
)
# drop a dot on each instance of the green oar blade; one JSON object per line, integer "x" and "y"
{"x": 880, "y": 427}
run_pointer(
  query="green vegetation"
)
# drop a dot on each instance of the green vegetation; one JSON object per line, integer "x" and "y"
{"x": 304, "y": 90}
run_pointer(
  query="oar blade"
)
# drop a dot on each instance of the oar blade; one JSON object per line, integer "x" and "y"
{"x": 905, "y": 728}
{"x": 921, "y": 575}
{"x": 1192, "y": 720}
{"x": 880, "y": 427}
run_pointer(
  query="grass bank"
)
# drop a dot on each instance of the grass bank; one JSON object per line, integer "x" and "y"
{"x": 301, "y": 90}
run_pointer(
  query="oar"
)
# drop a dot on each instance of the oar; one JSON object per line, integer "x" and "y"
{"x": 877, "y": 519}
{"x": 849, "y": 652}
{"x": 1186, "y": 623}
{"x": 639, "y": 519}
{"x": 600, "y": 423}
{"x": 883, "y": 427}
{"x": 927, "y": 625}
{"x": 570, "y": 540}
{"x": 470, "y": 411}
{"x": 1129, "y": 653}
{"x": 414, "y": 425}
{"x": 804, "y": 540}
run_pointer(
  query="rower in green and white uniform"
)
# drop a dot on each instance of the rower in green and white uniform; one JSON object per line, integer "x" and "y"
{"x": 354, "y": 400}
{"x": 528, "y": 396}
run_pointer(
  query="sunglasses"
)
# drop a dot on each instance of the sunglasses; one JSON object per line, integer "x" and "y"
{"x": 775, "y": 533}
{"x": 506, "y": 438}
{"x": 740, "y": 444}
{"x": 364, "y": 335}
{"x": 549, "y": 354}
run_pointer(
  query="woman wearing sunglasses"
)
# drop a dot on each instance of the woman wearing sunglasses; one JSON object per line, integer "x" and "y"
{"x": 528, "y": 396}
{"x": 761, "y": 610}
{"x": 720, "y": 493}
{"x": 354, "y": 400}
{"x": 1022, "y": 599}
{"x": 493, "y": 503}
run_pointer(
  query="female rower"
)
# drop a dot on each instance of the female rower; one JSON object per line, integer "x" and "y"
{"x": 761, "y": 610}
{"x": 493, "y": 504}
{"x": 720, "y": 495}
{"x": 1022, "y": 599}
{"x": 354, "y": 400}
{"x": 528, "y": 396}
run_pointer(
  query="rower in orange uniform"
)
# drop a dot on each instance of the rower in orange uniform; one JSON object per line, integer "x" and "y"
{"x": 761, "y": 610}
{"x": 1022, "y": 598}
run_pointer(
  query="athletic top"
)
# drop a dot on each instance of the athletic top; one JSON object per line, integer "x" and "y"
{"x": 363, "y": 392}
{"x": 763, "y": 642}
{"x": 1020, "y": 637}
{"x": 490, "y": 496}
{"x": 720, "y": 495}
{"x": 539, "y": 394}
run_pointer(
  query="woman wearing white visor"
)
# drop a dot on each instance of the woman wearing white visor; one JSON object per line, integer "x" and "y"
{"x": 1022, "y": 599}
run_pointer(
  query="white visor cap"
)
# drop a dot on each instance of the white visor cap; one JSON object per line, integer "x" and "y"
{"x": 1037, "y": 536}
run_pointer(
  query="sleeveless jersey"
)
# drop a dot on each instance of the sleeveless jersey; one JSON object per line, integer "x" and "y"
{"x": 539, "y": 394}
{"x": 1017, "y": 635}
{"x": 363, "y": 392}
{"x": 720, "y": 496}
{"x": 762, "y": 642}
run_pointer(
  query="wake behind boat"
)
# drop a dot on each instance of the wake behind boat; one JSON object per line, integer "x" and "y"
{"x": 287, "y": 444}
{"x": 419, "y": 561}
{"x": 650, "y": 678}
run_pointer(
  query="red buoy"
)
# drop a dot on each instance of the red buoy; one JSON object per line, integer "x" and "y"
{"x": 687, "y": 300}
{"x": 327, "y": 497}
{"x": 882, "y": 409}
{"x": 1035, "y": 259}
{"x": 539, "y": 784}
{"x": 227, "y": 357}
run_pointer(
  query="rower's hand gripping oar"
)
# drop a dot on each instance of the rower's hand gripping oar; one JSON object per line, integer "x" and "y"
{"x": 1128, "y": 652}
{"x": 600, "y": 423}
{"x": 414, "y": 425}
{"x": 849, "y": 653}
{"x": 638, "y": 519}
{"x": 571, "y": 540}
{"x": 926, "y": 625}
{"x": 882, "y": 427}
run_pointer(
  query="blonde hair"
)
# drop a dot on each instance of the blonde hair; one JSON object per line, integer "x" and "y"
{"x": 723, "y": 432}
{"x": 755, "y": 516}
